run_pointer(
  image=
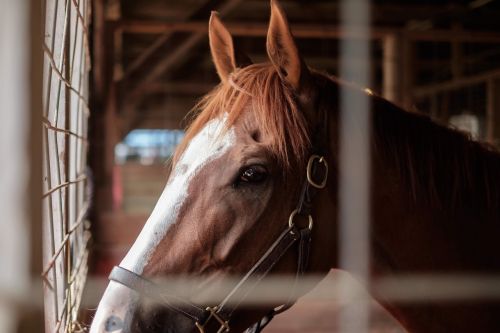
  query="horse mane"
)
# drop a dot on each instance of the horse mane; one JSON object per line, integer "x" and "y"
{"x": 273, "y": 104}
{"x": 440, "y": 165}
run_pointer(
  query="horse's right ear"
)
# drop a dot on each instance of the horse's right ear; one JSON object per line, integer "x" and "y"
{"x": 282, "y": 50}
{"x": 226, "y": 57}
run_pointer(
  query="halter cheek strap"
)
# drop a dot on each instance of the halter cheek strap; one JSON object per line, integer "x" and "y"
{"x": 317, "y": 173}
{"x": 317, "y": 176}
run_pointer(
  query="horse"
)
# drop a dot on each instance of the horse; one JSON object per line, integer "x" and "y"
{"x": 253, "y": 190}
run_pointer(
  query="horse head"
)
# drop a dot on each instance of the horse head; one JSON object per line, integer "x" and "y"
{"x": 235, "y": 180}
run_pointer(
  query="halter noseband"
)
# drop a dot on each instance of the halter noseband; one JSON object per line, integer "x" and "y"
{"x": 316, "y": 178}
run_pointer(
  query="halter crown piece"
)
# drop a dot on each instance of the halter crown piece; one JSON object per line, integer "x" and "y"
{"x": 220, "y": 315}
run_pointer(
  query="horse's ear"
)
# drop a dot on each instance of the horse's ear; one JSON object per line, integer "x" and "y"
{"x": 282, "y": 50}
{"x": 226, "y": 57}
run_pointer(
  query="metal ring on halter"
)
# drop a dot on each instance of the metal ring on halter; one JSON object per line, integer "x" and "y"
{"x": 292, "y": 216}
{"x": 224, "y": 325}
{"x": 311, "y": 181}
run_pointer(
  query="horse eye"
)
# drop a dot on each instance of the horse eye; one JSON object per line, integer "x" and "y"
{"x": 253, "y": 174}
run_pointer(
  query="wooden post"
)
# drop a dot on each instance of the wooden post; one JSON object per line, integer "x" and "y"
{"x": 109, "y": 124}
{"x": 407, "y": 72}
{"x": 493, "y": 111}
{"x": 99, "y": 53}
{"x": 104, "y": 120}
{"x": 390, "y": 64}
{"x": 113, "y": 12}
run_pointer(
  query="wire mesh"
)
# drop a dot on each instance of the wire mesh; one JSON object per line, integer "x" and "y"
{"x": 65, "y": 183}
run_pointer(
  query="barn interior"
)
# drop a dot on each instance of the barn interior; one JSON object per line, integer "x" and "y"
{"x": 152, "y": 63}
{"x": 115, "y": 80}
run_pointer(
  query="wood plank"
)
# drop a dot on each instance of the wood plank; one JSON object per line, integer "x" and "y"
{"x": 164, "y": 38}
{"x": 182, "y": 50}
{"x": 423, "y": 91}
{"x": 309, "y": 30}
{"x": 99, "y": 51}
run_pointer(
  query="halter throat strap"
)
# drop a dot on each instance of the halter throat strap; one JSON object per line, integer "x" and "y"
{"x": 223, "y": 312}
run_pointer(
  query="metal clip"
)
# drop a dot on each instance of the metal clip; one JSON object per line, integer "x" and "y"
{"x": 224, "y": 324}
{"x": 311, "y": 181}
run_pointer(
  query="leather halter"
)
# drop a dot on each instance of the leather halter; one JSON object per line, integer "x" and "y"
{"x": 316, "y": 177}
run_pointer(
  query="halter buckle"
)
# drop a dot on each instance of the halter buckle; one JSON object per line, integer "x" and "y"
{"x": 310, "y": 163}
{"x": 224, "y": 324}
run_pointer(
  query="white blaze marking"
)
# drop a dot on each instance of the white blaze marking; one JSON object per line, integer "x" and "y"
{"x": 206, "y": 146}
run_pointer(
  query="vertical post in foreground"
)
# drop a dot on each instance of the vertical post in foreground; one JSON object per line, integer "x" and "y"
{"x": 20, "y": 94}
{"x": 354, "y": 168}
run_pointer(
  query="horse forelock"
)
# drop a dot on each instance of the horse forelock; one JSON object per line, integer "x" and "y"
{"x": 256, "y": 88}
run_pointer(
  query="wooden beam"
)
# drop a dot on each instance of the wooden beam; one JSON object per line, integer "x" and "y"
{"x": 466, "y": 36}
{"x": 296, "y": 9}
{"x": 182, "y": 50}
{"x": 133, "y": 99}
{"x": 259, "y": 29}
{"x": 160, "y": 41}
{"x": 173, "y": 58}
{"x": 249, "y": 29}
{"x": 114, "y": 10}
{"x": 432, "y": 89}
{"x": 146, "y": 54}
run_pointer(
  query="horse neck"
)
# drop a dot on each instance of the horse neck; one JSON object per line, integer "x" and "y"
{"x": 409, "y": 239}
{"x": 435, "y": 186}
{"x": 410, "y": 235}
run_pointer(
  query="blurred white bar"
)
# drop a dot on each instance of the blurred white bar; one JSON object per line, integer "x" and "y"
{"x": 339, "y": 287}
{"x": 390, "y": 67}
{"x": 354, "y": 168}
{"x": 14, "y": 167}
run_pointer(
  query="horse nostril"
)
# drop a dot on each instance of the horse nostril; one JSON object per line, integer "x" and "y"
{"x": 113, "y": 323}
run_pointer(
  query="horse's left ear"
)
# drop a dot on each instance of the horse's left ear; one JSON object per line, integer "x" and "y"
{"x": 226, "y": 57}
{"x": 282, "y": 50}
